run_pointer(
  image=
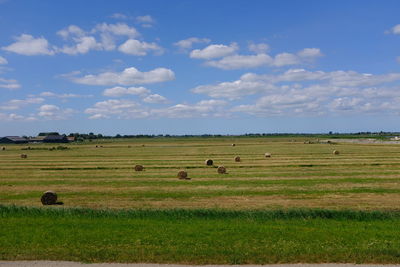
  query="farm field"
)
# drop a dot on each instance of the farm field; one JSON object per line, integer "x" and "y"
{"x": 302, "y": 204}
{"x": 297, "y": 175}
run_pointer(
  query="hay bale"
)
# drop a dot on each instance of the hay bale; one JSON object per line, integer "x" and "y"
{"x": 24, "y": 156}
{"x": 221, "y": 170}
{"x": 233, "y": 145}
{"x": 209, "y": 162}
{"x": 49, "y": 198}
{"x": 3, "y": 148}
{"x": 139, "y": 168}
{"x": 237, "y": 159}
{"x": 336, "y": 152}
{"x": 267, "y": 155}
{"x": 183, "y": 175}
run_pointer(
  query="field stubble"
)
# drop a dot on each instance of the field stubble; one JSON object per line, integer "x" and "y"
{"x": 298, "y": 175}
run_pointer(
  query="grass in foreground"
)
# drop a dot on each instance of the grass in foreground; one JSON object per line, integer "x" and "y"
{"x": 199, "y": 236}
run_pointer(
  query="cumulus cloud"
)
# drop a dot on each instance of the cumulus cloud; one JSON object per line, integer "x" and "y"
{"x": 236, "y": 61}
{"x": 83, "y": 45}
{"x": 9, "y": 84}
{"x": 122, "y": 109}
{"x": 138, "y": 48}
{"x": 63, "y": 96}
{"x": 119, "y": 16}
{"x": 205, "y": 108}
{"x": 119, "y": 91}
{"x": 301, "y": 92}
{"x": 188, "y": 43}
{"x": 155, "y": 99}
{"x": 394, "y": 30}
{"x": 128, "y": 109}
{"x": 246, "y": 85}
{"x": 119, "y": 29}
{"x": 128, "y": 76}
{"x": 16, "y": 117}
{"x": 260, "y": 48}
{"x": 71, "y": 31}
{"x": 146, "y": 21}
{"x": 284, "y": 59}
{"x": 29, "y": 46}
{"x": 241, "y": 61}
{"x": 15, "y": 104}
{"x": 53, "y": 112}
{"x": 214, "y": 51}
{"x": 103, "y": 37}
{"x": 310, "y": 53}
{"x": 3, "y": 61}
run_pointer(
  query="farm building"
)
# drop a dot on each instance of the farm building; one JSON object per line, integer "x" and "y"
{"x": 56, "y": 139}
{"x": 13, "y": 140}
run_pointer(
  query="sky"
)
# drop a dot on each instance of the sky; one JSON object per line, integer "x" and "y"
{"x": 199, "y": 67}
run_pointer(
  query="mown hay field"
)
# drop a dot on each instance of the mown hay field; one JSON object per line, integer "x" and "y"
{"x": 100, "y": 174}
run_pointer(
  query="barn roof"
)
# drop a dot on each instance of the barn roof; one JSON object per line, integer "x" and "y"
{"x": 16, "y": 138}
{"x": 55, "y": 137}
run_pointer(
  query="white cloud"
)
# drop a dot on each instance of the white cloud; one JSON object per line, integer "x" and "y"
{"x": 119, "y": 29}
{"x": 53, "y": 112}
{"x": 129, "y": 76}
{"x": 83, "y": 45}
{"x": 9, "y": 84}
{"x": 236, "y": 61}
{"x": 285, "y": 59}
{"x": 188, "y": 43}
{"x": 241, "y": 61}
{"x": 15, "y": 104}
{"x": 246, "y": 85}
{"x": 146, "y": 21}
{"x": 260, "y": 48}
{"x": 122, "y": 109}
{"x": 71, "y": 31}
{"x": 214, "y": 51}
{"x": 119, "y": 91}
{"x": 63, "y": 96}
{"x": 310, "y": 53}
{"x": 119, "y": 16}
{"x": 138, "y": 48}
{"x": 394, "y": 30}
{"x": 205, "y": 108}
{"x": 28, "y": 45}
{"x": 16, "y": 117}
{"x": 3, "y": 61}
{"x": 155, "y": 99}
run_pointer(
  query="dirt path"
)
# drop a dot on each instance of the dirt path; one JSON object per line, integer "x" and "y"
{"x": 76, "y": 264}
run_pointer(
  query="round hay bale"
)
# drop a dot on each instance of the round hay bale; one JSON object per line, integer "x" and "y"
{"x": 183, "y": 175}
{"x": 24, "y": 156}
{"x": 233, "y": 145}
{"x": 3, "y": 148}
{"x": 49, "y": 198}
{"x": 221, "y": 170}
{"x": 237, "y": 159}
{"x": 139, "y": 168}
{"x": 209, "y": 162}
{"x": 267, "y": 155}
{"x": 336, "y": 152}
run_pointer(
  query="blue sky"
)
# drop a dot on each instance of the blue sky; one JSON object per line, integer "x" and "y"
{"x": 196, "y": 67}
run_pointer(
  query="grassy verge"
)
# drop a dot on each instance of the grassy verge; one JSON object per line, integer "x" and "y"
{"x": 199, "y": 236}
